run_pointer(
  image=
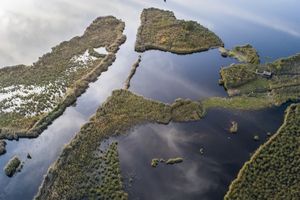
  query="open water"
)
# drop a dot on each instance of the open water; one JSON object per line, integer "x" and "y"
{"x": 30, "y": 28}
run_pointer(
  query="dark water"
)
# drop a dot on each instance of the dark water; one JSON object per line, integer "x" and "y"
{"x": 272, "y": 28}
{"x": 206, "y": 176}
{"x": 165, "y": 76}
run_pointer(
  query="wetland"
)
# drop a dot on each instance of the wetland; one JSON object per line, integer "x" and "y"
{"x": 102, "y": 143}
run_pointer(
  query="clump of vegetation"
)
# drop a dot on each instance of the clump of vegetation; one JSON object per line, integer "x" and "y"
{"x": 2, "y": 147}
{"x": 60, "y": 77}
{"x": 174, "y": 160}
{"x": 238, "y": 74}
{"x": 256, "y": 138}
{"x": 268, "y": 134}
{"x": 201, "y": 151}
{"x": 154, "y": 162}
{"x": 188, "y": 26}
{"x": 185, "y": 110}
{"x": 245, "y": 53}
{"x": 29, "y": 156}
{"x": 161, "y": 30}
{"x": 12, "y": 166}
{"x": 122, "y": 111}
{"x": 266, "y": 57}
{"x": 234, "y": 127}
{"x": 273, "y": 170}
{"x": 132, "y": 72}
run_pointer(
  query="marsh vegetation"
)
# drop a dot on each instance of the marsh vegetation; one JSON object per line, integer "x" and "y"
{"x": 273, "y": 170}
{"x": 234, "y": 127}
{"x": 251, "y": 91}
{"x": 12, "y": 166}
{"x": 132, "y": 72}
{"x": 2, "y": 147}
{"x": 161, "y": 30}
{"x": 121, "y": 112}
{"x": 245, "y": 53}
{"x": 28, "y": 105}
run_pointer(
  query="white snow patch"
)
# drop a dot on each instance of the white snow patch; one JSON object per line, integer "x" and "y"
{"x": 84, "y": 58}
{"x": 22, "y": 91}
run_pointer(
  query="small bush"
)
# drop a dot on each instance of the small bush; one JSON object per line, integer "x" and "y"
{"x": 11, "y": 166}
{"x": 188, "y": 26}
{"x": 234, "y": 127}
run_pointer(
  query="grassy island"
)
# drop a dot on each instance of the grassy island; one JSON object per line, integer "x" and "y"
{"x": 12, "y": 166}
{"x": 161, "y": 30}
{"x": 251, "y": 90}
{"x": 245, "y": 54}
{"x": 122, "y": 111}
{"x": 273, "y": 170}
{"x": 174, "y": 160}
{"x": 31, "y": 97}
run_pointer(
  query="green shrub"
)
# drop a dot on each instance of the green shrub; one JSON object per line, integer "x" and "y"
{"x": 188, "y": 26}
{"x": 11, "y": 166}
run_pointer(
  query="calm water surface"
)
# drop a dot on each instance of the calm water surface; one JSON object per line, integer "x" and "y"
{"x": 29, "y": 29}
{"x": 199, "y": 176}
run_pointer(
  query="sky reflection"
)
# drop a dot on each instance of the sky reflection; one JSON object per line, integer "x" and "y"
{"x": 29, "y": 28}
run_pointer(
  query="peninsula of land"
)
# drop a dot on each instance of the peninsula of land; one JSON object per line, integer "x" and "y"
{"x": 123, "y": 110}
{"x": 28, "y": 105}
{"x": 253, "y": 86}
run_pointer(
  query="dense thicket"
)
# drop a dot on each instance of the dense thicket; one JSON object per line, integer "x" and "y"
{"x": 274, "y": 170}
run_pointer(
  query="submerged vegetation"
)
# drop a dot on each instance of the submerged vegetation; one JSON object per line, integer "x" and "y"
{"x": 28, "y": 105}
{"x": 12, "y": 166}
{"x": 122, "y": 111}
{"x": 273, "y": 171}
{"x": 161, "y": 30}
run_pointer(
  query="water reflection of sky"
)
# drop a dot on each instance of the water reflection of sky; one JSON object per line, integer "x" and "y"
{"x": 199, "y": 176}
{"x": 29, "y": 28}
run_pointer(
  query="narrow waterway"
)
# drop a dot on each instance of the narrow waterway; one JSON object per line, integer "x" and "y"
{"x": 30, "y": 30}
